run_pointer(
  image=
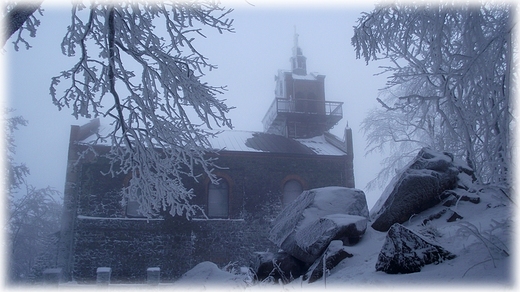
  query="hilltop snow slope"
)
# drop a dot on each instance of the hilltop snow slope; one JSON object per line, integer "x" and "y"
{"x": 481, "y": 241}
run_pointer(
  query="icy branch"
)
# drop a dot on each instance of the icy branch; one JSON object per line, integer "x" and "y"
{"x": 138, "y": 66}
{"x": 451, "y": 69}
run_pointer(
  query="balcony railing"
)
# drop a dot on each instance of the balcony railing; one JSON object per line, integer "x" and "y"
{"x": 302, "y": 106}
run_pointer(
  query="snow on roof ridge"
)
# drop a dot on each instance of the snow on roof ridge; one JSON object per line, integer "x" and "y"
{"x": 321, "y": 146}
{"x": 225, "y": 140}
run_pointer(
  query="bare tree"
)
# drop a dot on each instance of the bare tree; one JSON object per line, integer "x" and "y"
{"x": 449, "y": 84}
{"x": 32, "y": 217}
{"x": 401, "y": 130}
{"x": 138, "y": 66}
{"x": 33, "y": 213}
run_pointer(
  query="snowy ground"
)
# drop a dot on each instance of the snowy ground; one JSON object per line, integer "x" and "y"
{"x": 479, "y": 264}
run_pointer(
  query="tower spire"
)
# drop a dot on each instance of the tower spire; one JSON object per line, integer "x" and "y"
{"x": 298, "y": 60}
{"x": 295, "y": 38}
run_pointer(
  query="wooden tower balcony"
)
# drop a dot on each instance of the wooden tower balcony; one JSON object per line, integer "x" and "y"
{"x": 301, "y": 118}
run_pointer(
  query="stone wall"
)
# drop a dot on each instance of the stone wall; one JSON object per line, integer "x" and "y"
{"x": 103, "y": 237}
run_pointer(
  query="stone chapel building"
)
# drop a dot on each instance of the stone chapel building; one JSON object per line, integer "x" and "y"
{"x": 264, "y": 171}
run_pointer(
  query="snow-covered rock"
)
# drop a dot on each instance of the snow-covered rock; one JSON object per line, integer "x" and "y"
{"x": 280, "y": 266}
{"x": 299, "y": 231}
{"x": 404, "y": 251}
{"x": 417, "y": 188}
{"x": 314, "y": 238}
{"x": 458, "y": 194}
{"x": 334, "y": 254}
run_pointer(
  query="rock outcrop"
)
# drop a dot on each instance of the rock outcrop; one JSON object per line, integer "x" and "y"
{"x": 416, "y": 189}
{"x": 305, "y": 227}
{"x": 404, "y": 251}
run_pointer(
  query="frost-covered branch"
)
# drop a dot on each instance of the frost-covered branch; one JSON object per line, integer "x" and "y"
{"x": 138, "y": 65}
{"x": 494, "y": 246}
{"x": 451, "y": 66}
{"x": 15, "y": 173}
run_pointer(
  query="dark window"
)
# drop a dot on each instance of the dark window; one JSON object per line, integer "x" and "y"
{"x": 218, "y": 199}
{"x": 291, "y": 189}
{"x": 132, "y": 207}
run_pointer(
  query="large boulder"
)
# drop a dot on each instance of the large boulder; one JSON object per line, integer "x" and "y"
{"x": 334, "y": 254}
{"x": 314, "y": 238}
{"x": 404, "y": 251}
{"x": 305, "y": 227}
{"x": 418, "y": 188}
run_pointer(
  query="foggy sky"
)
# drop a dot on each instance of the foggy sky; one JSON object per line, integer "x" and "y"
{"x": 247, "y": 63}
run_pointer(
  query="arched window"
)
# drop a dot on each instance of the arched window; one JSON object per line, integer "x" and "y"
{"x": 291, "y": 189}
{"x": 218, "y": 199}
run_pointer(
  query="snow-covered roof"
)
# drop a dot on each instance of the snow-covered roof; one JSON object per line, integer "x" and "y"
{"x": 233, "y": 141}
{"x": 250, "y": 141}
{"x": 310, "y": 76}
{"x": 321, "y": 146}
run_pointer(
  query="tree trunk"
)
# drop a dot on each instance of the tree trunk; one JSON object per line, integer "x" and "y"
{"x": 18, "y": 15}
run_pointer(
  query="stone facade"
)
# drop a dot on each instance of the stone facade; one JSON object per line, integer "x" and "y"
{"x": 98, "y": 232}
{"x": 101, "y": 235}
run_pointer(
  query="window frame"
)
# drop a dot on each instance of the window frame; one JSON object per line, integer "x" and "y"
{"x": 227, "y": 201}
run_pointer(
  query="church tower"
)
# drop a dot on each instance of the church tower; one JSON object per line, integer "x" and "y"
{"x": 299, "y": 109}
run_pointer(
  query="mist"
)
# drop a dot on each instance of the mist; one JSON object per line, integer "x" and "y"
{"x": 247, "y": 63}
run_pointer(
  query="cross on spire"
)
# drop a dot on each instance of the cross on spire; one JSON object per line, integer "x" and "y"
{"x": 298, "y": 60}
